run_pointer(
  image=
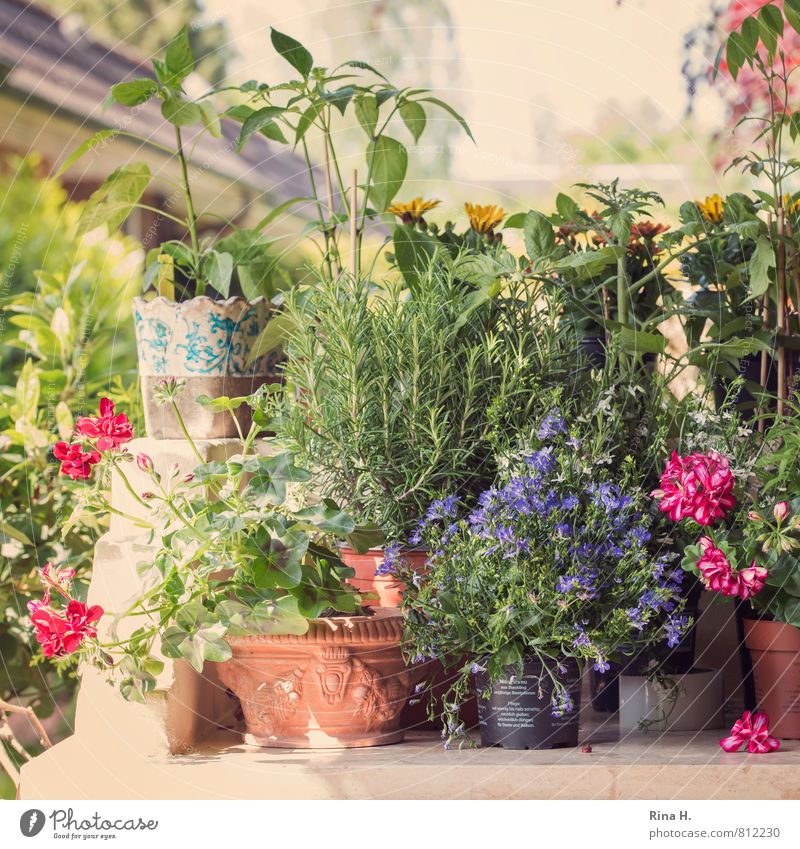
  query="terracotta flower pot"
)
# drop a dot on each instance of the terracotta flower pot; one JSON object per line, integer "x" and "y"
{"x": 385, "y": 587}
{"x": 207, "y": 344}
{"x": 341, "y": 685}
{"x": 775, "y": 650}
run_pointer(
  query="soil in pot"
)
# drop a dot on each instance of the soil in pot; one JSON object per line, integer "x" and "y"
{"x": 340, "y": 685}
{"x": 775, "y": 651}
{"x": 519, "y": 712}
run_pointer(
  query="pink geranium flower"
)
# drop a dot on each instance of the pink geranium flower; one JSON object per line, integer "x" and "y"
{"x": 110, "y": 431}
{"x": 720, "y": 577}
{"x": 75, "y": 462}
{"x": 63, "y": 633}
{"x": 752, "y": 730}
{"x": 698, "y": 487}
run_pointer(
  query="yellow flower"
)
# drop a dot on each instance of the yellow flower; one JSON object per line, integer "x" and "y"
{"x": 711, "y": 208}
{"x": 483, "y": 219}
{"x": 791, "y": 206}
{"x": 412, "y": 211}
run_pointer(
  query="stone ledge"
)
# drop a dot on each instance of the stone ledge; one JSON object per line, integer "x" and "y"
{"x": 672, "y": 766}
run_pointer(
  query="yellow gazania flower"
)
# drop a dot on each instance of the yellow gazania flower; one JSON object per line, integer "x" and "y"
{"x": 791, "y": 206}
{"x": 483, "y": 219}
{"x": 412, "y": 211}
{"x": 711, "y": 208}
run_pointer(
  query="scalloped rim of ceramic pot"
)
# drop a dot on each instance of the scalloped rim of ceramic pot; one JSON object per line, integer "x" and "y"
{"x": 178, "y": 305}
{"x": 358, "y": 629}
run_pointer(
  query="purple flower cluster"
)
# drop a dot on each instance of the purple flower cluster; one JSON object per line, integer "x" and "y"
{"x": 392, "y": 560}
{"x": 440, "y": 509}
{"x": 662, "y": 597}
{"x": 561, "y": 704}
{"x": 552, "y": 425}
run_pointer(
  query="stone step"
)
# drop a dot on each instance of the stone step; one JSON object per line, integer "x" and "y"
{"x": 667, "y": 766}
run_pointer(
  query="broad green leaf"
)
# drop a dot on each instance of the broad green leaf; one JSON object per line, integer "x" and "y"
{"x": 750, "y": 34}
{"x": 413, "y": 115}
{"x": 134, "y": 92}
{"x": 280, "y": 616}
{"x": 64, "y": 420}
{"x": 540, "y": 240}
{"x": 761, "y": 262}
{"x": 217, "y": 269}
{"x": 181, "y": 112}
{"x": 292, "y": 51}
{"x": 365, "y": 537}
{"x": 515, "y": 221}
{"x": 269, "y": 483}
{"x": 413, "y": 250}
{"x": 257, "y": 122}
{"x": 567, "y": 208}
{"x": 366, "y": 108}
{"x": 387, "y": 160}
{"x": 179, "y": 60}
{"x": 83, "y": 148}
{"x": 328, "y": 517}
{"x": 637, "y": 342}
{"x": 114, "y": 201}
{"x": 222, "y": 403}
{"x": 772, "y": 18}
{"x": 193, "y": 615}
{"x": 210, "y": 118}
{"x": 449, "y": 109}
{"x": 274, "y": 335}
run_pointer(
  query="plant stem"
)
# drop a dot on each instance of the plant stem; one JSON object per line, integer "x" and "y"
{"x": 354, "y": 252}
{"x": 191, "y": 218}
{"x": 131, "y": 489}
{"x": 185, "y": 432}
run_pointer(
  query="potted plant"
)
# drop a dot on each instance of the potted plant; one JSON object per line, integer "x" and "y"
{"x": 397, "y": 393}
{"x": 245, "y": 581}
{"x": 549, "y": 572}
{"x": 193, "y": 328}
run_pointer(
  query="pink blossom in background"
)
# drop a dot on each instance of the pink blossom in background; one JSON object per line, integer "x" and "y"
{"x": 752, "y": 730}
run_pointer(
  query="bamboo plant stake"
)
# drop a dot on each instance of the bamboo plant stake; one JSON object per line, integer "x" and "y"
{"x": 780, "y": 311}
{"x": 354, "y": 225}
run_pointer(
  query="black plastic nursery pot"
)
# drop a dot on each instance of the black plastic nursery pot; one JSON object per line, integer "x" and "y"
{"x": 518, "y": 713}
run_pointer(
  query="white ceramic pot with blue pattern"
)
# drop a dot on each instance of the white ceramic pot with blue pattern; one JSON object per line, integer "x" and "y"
{"x": 207, "y": 344}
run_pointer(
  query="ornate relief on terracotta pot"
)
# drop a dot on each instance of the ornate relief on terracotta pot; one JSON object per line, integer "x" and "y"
{"x": 267, "y": 706}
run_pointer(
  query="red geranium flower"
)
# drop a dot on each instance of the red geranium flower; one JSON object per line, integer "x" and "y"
{"x": 751, "y": 580}
{"x": 61, "y": 634}
{"x": 109, "y": 430}
{"x": 698, "y": 487}
{"x": 752, "y": 730}
{"x": 75, "y": 462}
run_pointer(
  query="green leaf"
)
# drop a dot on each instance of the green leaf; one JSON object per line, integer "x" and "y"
{"x": 413, "y": 115}
{"x": 113, "y": 202}
{"x": 179, "y": 60}
{"x": 328, "y": 517}
{"x": 791, "y": 8}
{"x": 770, "y": 16}
{"x": 28, "y": 390}
{"x": 413, "y": 250}
{"x": 365, "y": 537}
{"x": 515, "y": 221}
{"x": 279, "y": 210}
{"x": 269, "y": 483}
{"x": 217, "y": 269}
{"x": 292, "y": 51}
{"x": 222, "y": 403}
{"x": 340, "y": 98}
{"x": 449, "y": 109}
{"x": 735, "y": 54}
{"x": 7, "y": 530}
{"x": 280, "y": 616}
{"x": 540, "y": 240}
{"x": 210, "y": 118}
{"x": 750, "y": 34}
{"x": 307, "y": 119}
{"x": 768, "y": 37}
{"x": 259, "y": 121}
{"x": 567, "y": 208}
{"x": 181, "y": 112}
{"x": 134, "y": 92}
{"x": 193, "y": 615}
{"x": 637, "y": 342}
{"x": 387, "y": 159}
{"x": 762, "y": 260}
{"x": 274, "y": 335}
{"x": 366, "y": 108}
{"x": 84, "y": 148}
